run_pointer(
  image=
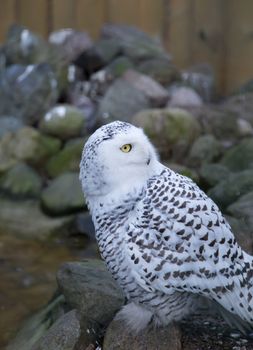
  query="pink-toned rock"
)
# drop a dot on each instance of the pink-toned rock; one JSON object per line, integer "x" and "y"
{"x": 154, "y": 91}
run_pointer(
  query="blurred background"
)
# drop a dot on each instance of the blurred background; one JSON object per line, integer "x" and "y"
{"x": 180, "y": 69}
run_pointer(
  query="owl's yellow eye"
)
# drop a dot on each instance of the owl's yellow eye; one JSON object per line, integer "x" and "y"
{"x": 126, "y": 148}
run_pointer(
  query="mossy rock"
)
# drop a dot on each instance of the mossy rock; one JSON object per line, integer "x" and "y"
{"x": 67, "y": 159}
{"x": 239, "y": 157}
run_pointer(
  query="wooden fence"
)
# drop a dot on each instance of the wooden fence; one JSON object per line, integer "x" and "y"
{"x": 216, "y": 31}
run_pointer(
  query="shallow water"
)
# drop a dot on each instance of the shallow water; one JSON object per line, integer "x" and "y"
{"x": 28, "y": 270}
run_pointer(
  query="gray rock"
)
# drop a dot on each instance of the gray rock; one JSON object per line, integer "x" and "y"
{"x": 9, "y": 124}
{"x": 121, "y": 101}
{"x": 63, "y": 121}
{"x": 201, "y": 78}
{"x": 63, "y": 195}
{"x": 184, "y": 96}
{"x": 84, "y": 225}
{"x": 218, "y": 122}
{"x": 239, "y": 157}
{"x": 135, "y": 44}
{"x": 71, "y": 42}
{"x": 155, "y": 92}
{"x": 242, "y": 231}
{"x": 172, "y": 130}
{"x": 21, "y": 181}
{"x": 67, "y": 159}
{"x": 118, "y": 337}
{"x": 37, "y": 325}
{"x": 25, "y": 219}
{"x": 19, "y": 85}
{"x": 26, "y": 145}
{"x": 160, "y": 69}
{"x": 212, "y": 174}
{"x": 119, "y": 66}
{"x": 62, "y": 335}
{"x": 241, "y": 105}
{"x": 89, "y": 288}
{"x": 205, "y": 149}
{"x": 232, "y": 188}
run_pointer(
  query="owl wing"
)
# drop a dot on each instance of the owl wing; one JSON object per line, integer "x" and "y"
{"x": 180, "y": 241}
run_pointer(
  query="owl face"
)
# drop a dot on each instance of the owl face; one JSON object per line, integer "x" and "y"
{"x": 115, "y": 156}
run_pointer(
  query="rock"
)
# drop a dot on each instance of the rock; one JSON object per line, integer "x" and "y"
{"x": 212, "y": 174}
{"x": 155, "y": 92}
{"x": 218, "y": 122}
{"x": 71, "y": 42}
{"x": 183, "y": 170}
{"x": 77, "y": 96}
{"x": 63, "y": 195}
{"x": 242, "y": 231}
{"x": 232, "y": 188}
{"x": 99, "y": 84}
{"x": 241, "y": 106}
{"x": 36, "y": 326}
{"x": 9, "y": 124}
{"x": 243, "y": 207}
{"x": 99, "y": 55}
{"x": 84, "y": 225}
{"x": 184, "y": 96}
{"x": 26, "y": 145}
{"x": 119, "y": 337}
{"x": 21, "y": 181}
{"x": 31, "y": 146}
{"x": 121, "y": 101}
{"x": 205, "y": 149}
{"x": 172, "y": 130}
{"x": 67, "y": 159}
{"x": 239, "y": 157}
{"x": 135, "y": 44}
{"x": 89, "y": 288}
{"x": 201, "y": 78}
{"x": 62, "y": 335}
{"x": 160, "y": 69}
{"x": 63, "y": 121}
{"x": 25, "y": 219}
{"x": 119, "y": 66}
{"x": 19, "y": 85}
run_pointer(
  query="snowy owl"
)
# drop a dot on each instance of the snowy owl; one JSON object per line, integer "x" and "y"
{"x": 164, "y": 241}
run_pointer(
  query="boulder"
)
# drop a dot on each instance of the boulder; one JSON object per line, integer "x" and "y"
{"x": 37, "y": 325}
{"x": 19, "y": 85}
{"x": 71, "y": 42}
{"x": 242, "y": 229}
{"x": 62, "y": 335}
{"x": 122, "y": 101}
{"x": 160, "y": 69}
{"x": 63, "y": 121}
{"x": 232, "y": 188}
{"x": 9, "y": 124}
{"x": 67, "y": 159}
{"x": 212, "y": 174}
{"x": 21, "y": 181}
{"x": 134, "y": 43}
{"x": 26, "y": 145}
{"x": 201, "y": 78}
{"x": 155, "y": 92}
{"x": 241, "y": 105}
{"x": 183, "y": 96}
{"x": 24, "y": 219}
{"x": 183, "y": 170}
{"x": 89, "y": 288}
{"x": 239, "y": 157}
{"x": 119, "y": 337}
{"x": 119, "y": 66}
{"x": 172, "y": 130}
{"x": 205, "y": 149}
{"x": 63, "y": 195}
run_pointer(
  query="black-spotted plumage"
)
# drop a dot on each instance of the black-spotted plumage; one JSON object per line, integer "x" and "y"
{"x": 164, "y": 241}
